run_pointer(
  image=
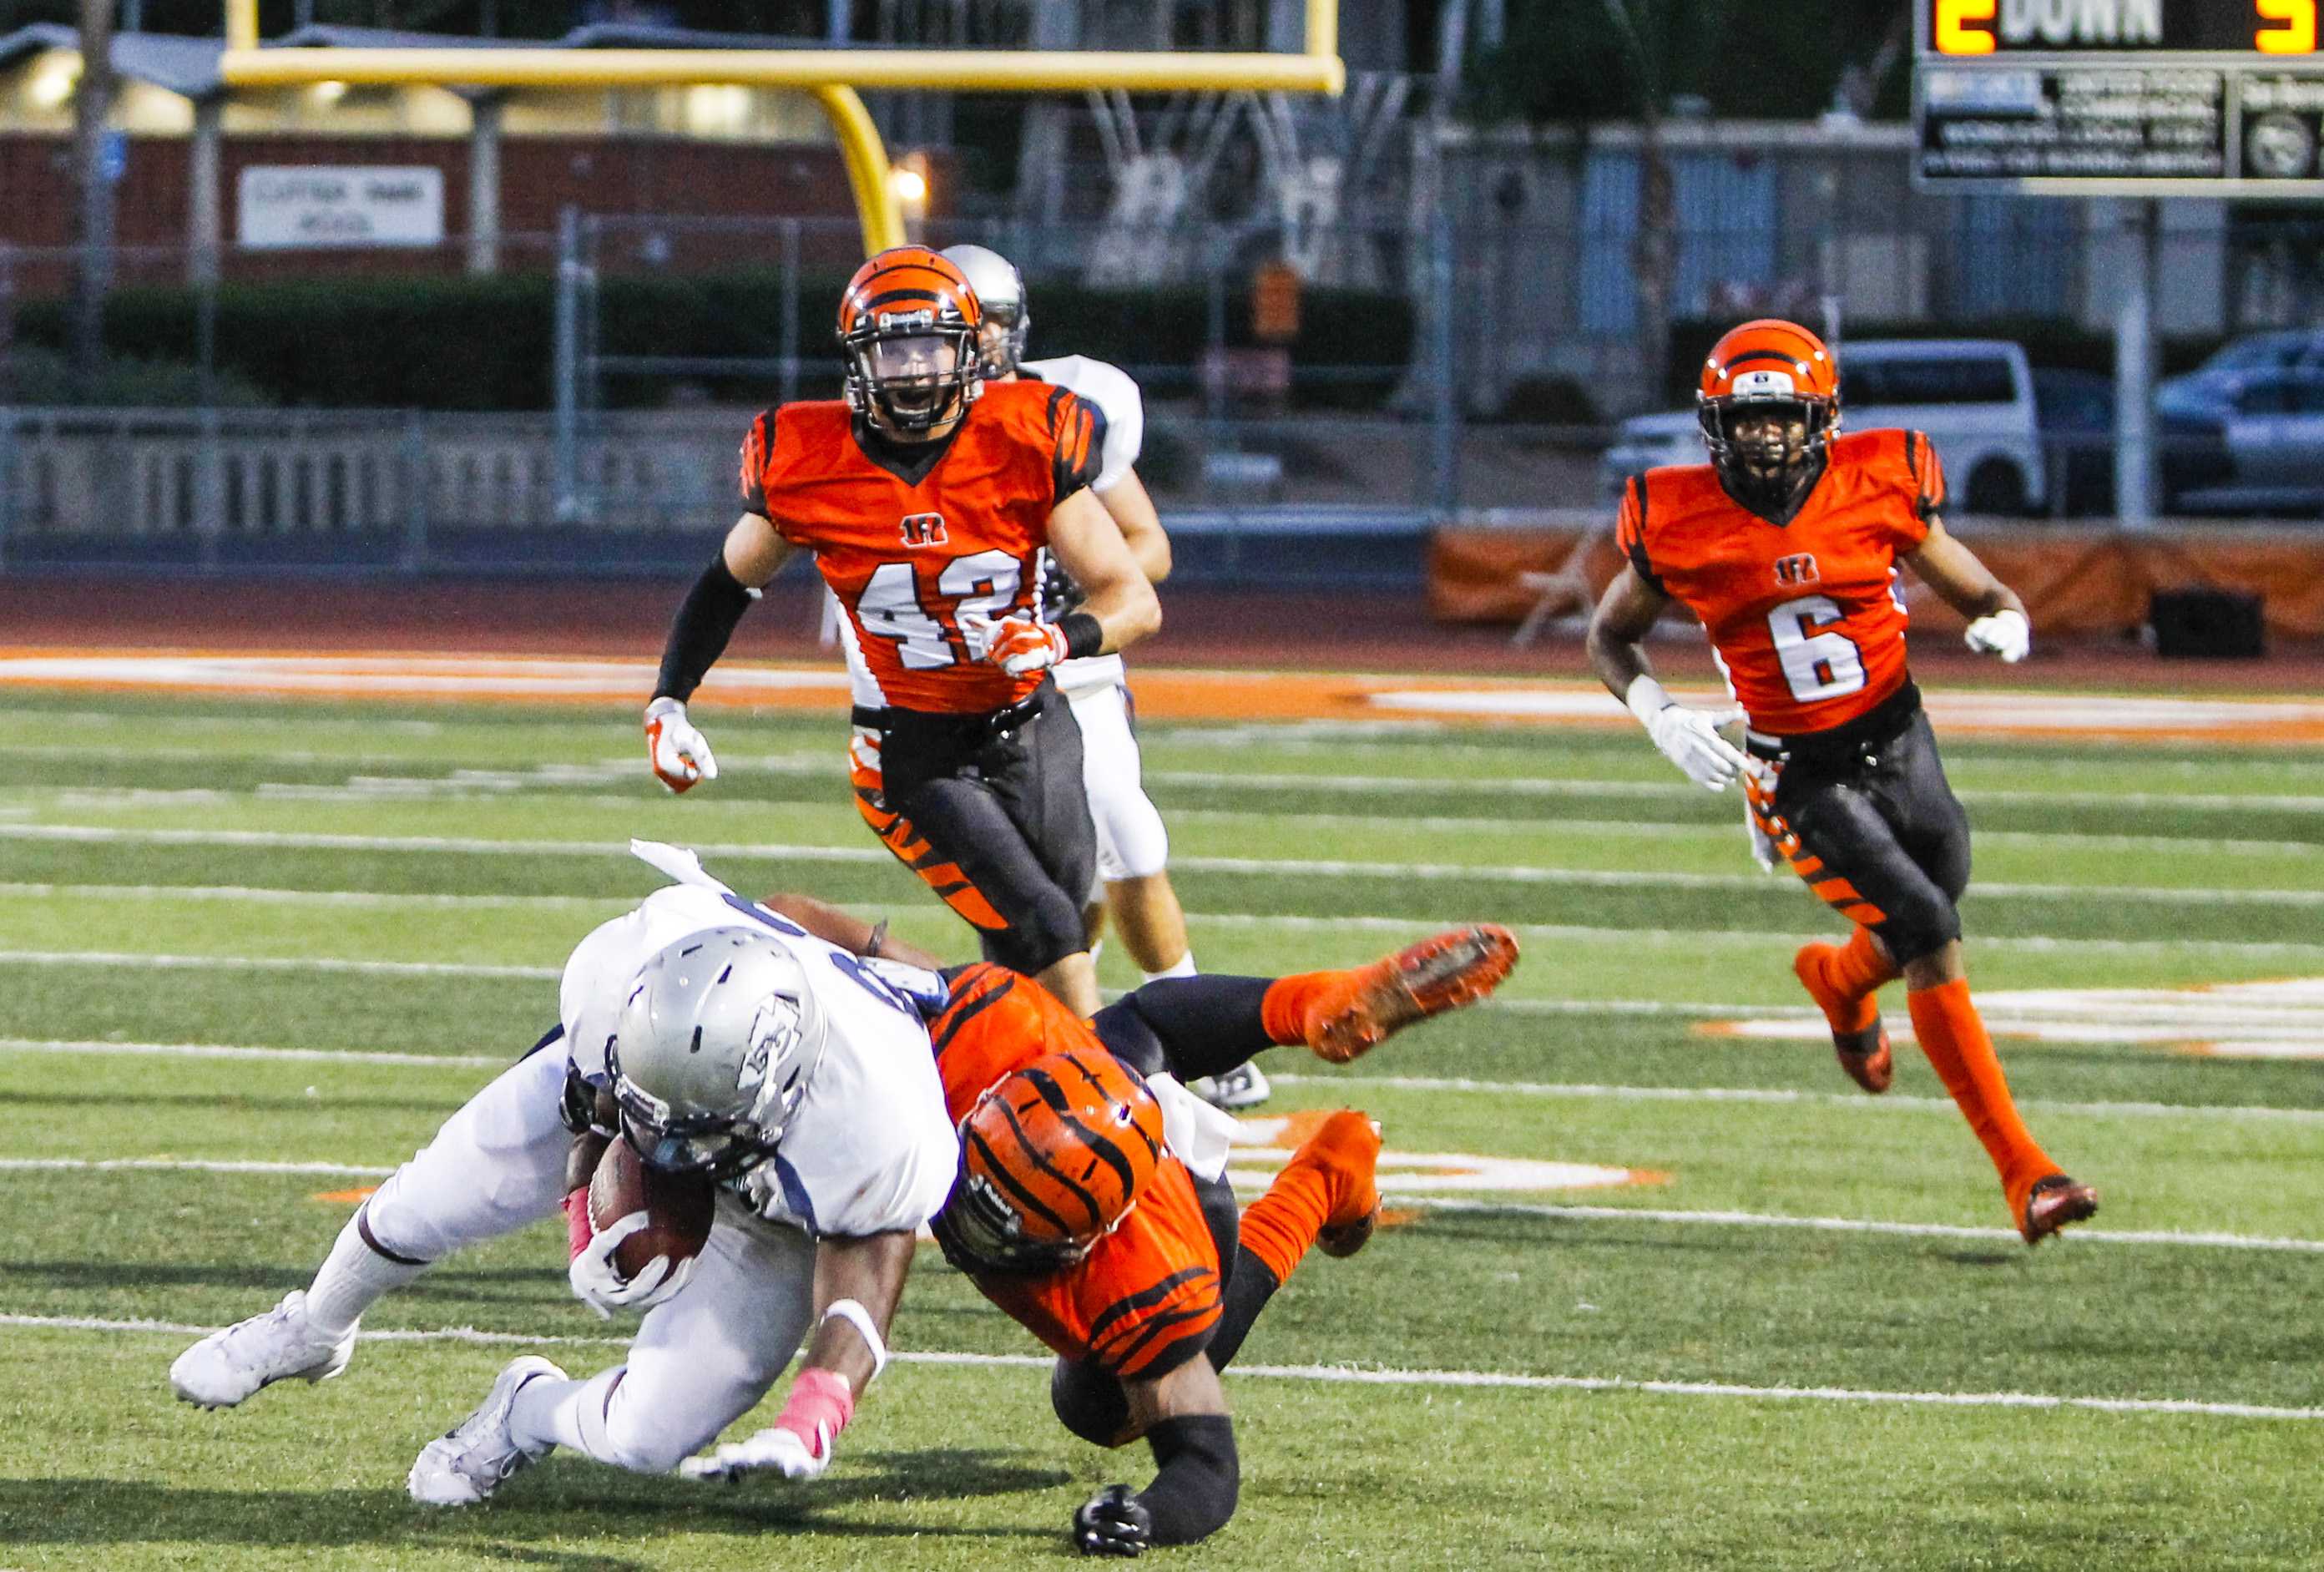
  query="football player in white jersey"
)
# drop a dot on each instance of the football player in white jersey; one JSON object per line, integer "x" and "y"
{"x": 1133, "y": 848}
{"x": 820, "y": 1119}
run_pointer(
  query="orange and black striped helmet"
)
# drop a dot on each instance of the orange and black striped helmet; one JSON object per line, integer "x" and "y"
{"x": 1763, "y": 363}
{"x": 908, "y": 324}
{"x": 1052, "y": 1157}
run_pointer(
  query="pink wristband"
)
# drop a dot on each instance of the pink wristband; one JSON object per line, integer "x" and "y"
{"x": 818, "y": 1408}
{"x": 578, "y": 1231}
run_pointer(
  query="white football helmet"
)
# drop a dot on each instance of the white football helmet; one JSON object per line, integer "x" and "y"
{"x": 712, "y": 1051}
{"x": 1001, "y": 290}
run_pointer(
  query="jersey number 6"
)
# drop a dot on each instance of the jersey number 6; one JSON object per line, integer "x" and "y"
{"x": 1817, "y": 665}
{"x": 889, "y": 606}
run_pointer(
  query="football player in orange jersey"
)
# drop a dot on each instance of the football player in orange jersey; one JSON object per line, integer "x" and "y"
{"x": 927, "y": 497}
{"x": 1124, "y": 1254}
{"x": 1785, "y": 545}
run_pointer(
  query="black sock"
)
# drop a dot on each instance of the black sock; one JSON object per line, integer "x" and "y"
{"x": 1249, "y": 1288}
{"x": 1189, "y": 1026}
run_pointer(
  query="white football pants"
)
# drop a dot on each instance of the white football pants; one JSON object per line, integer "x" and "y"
{"x": 700, "y": 1361}
{"x": 494, "y": 1166}
{"x": 1132, "y": 841}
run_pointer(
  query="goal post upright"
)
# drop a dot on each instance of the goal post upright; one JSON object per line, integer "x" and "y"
{"x": 830, "y": 75}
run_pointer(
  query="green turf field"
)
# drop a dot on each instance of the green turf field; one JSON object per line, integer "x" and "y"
{"x": 1812, "y": 1342}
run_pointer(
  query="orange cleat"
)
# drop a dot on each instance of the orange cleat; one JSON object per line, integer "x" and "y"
{"x": 1371, "y": 1004}
{"x": 2054, "y": 1203}
{"x": 1859, "y": 1040}
{"x": 1345, "y": 1151}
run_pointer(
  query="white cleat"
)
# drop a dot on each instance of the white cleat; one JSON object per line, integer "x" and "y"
{"x": 228, "y": 1365}
{"x": 1241, "y": 1088}
{"x": 469, "y": 1461}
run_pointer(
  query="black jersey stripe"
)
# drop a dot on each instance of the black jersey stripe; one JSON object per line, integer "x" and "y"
{"x": 1144, "y": 1299}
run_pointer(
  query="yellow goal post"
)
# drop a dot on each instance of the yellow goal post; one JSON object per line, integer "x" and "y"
{"x": 831, "y": 76}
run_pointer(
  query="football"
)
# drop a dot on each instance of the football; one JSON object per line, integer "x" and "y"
{"x": 679, "y": 1205}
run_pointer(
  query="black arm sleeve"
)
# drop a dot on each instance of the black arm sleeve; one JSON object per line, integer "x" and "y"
{"x": 1194, "y": 1495}
{"x": 1189, "y": 1026}
{"x": 705, "y": 620}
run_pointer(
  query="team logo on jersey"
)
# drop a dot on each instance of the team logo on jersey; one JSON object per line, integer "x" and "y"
{"x": 1799, "y": 569}
{"x": 923, "y": 529}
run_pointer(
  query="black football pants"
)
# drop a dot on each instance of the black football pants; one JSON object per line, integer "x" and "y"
{"x": 1870, "y": 822}
{"x": 991, "y": 813}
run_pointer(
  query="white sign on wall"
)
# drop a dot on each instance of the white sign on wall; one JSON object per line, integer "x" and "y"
{"x": 280, "y": 207}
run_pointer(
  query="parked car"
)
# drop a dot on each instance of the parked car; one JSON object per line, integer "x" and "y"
{"x": 1973, "y": 396}
{"x": 2212, "y": 386}
{"x": 2077, "y": 410}
{"x": 2274, "y": 425}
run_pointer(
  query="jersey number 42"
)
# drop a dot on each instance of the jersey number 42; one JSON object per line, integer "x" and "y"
{"x": 889, "y": 606}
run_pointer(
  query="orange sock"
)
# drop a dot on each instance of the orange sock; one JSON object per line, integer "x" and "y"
{"x": 1328, "y": 1179}
{"x": 1283, "y": 1010}
{"x": 1859, "y": 966}
{"x": 1850, "y": 973}
{"x": 1957, "y": 1044}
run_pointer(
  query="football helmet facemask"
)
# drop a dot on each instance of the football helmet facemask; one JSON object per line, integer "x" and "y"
{"x": 908, "y": 326}
{"x": 712, "y": 1050}
{"x": 1781, "y": 374}
{"x": 1001, "y": 292}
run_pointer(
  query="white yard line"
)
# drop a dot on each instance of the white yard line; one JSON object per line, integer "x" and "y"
{"x": 231, "y": 1050}
{"x": 1342, "y": 1374}
{"x": 369, "y": 787}
{"x": 1752, "y": 939}
{"x": 1405, "y": 786}
{"x": 275, "y": 964}
{"x": 1426, "y": 1201}
{"x": 1579, "y": 1091}
{"x": 315, "y": 840}
{"x": 293, "y": 840}
{"x": 1500, "y": 829}
{"x": 1589, "y": 878}
{"x": 187, "y": 1165}
{"x": 1854, "y": 1225}
{"x": 1585, "y": 1091}
{"x": 282, "y": 897}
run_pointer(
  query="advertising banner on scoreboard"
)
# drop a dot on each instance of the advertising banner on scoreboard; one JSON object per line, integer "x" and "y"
{"x": 2127, "y": 98}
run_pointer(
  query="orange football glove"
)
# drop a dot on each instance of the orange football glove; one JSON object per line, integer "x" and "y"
{"x": 680, "y": 754}
{"x": 1017, "y": 645}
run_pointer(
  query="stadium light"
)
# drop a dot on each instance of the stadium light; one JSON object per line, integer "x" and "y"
{"x": 52, "y": 84}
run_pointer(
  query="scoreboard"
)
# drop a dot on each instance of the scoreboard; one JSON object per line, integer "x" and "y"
{"x": 2124, "y": 98}
{"x": 2219, "y": 27}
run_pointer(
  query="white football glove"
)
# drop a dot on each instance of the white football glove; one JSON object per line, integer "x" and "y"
{"x": 1688, "y": 738}
{"x": 679, "y": 752}
{"x": 2006, "y": 634}
{"x": 798, "y": 1445}
{"x": 598, "y": 1283}
{"x": 775, "y": 1450}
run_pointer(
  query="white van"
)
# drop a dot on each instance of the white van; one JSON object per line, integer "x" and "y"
{"x": 1973, "y": 396}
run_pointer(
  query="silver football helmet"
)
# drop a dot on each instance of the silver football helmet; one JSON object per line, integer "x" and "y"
{"x": 1001, "y": 290}
{"x": 712, "y": 1051}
